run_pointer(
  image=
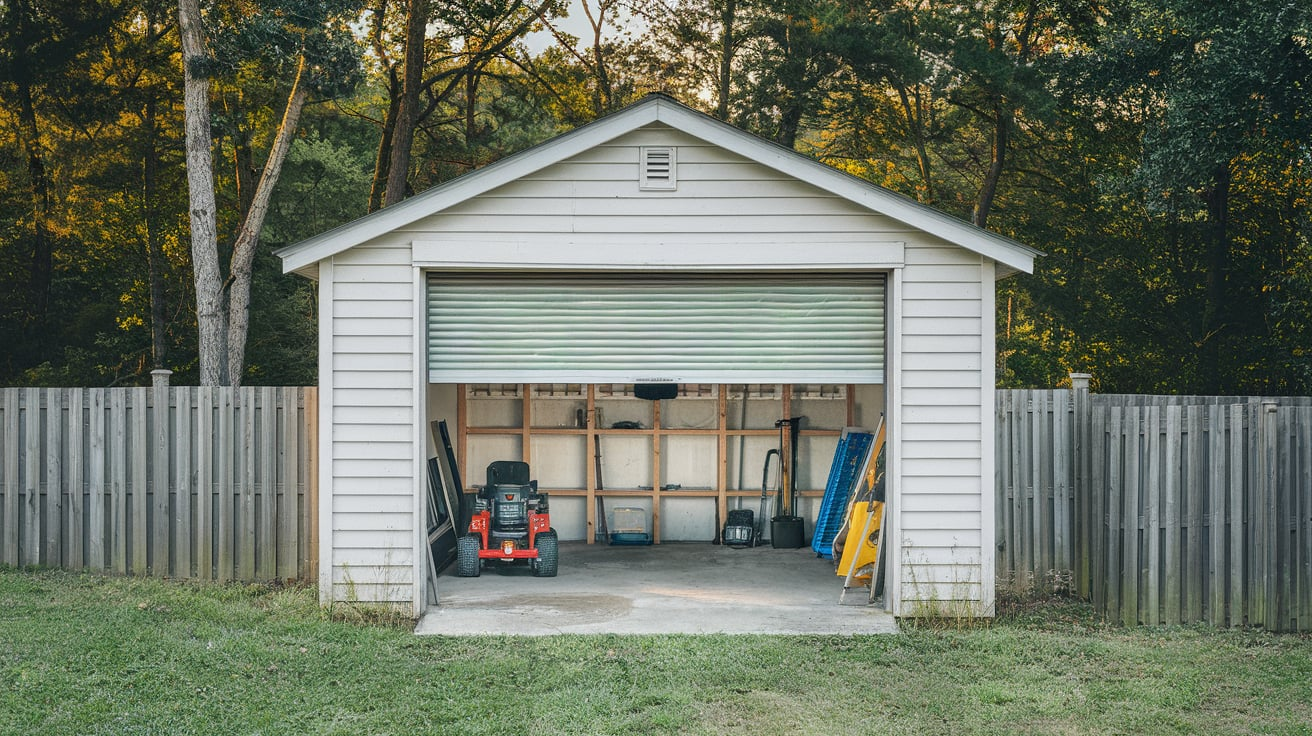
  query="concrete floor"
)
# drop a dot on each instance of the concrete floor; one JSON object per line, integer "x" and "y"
{"x": 663, "y": 589}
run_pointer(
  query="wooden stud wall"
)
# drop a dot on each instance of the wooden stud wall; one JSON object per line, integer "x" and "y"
{"x": 592, "y": 434}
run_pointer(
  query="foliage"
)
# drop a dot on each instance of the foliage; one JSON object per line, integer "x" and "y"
{"x": 1158, "y": 152}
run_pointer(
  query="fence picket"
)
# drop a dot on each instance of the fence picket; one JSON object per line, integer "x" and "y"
{"x": 1265, "y": 513}
{"x": 1115, "y": 504}
{"x": 1216, "y": 529}
{"x": 1152, "y": 498}
{"x": 264, "y": 448}
{"x": 1059, "y": 450}
{"x": 140, "y": 507}
{"x": 54, "y": 464}
{"x": 1016, "y": 546}
{"x": 1042, "y": 505}
{"x": 289, "y": 512}
{"x": 246, "y": 522}
{"x": 205, "y": 520}
{"x": 74, "y": 528}
{"x": 183, "y": 485}
{"x": 32, "y": 478}
{"x": 96, "y": 447}
{"x": 226, "y": 492}
{"x": 1131, "y": 586}
{"x": 118, "y": 489}
{"x": 1284, "y": 523}
{"x": 1170, "y": 518}
{"x": 1194, "y": 486}
{"x": 12, "y": 408}
{"x": 1238, "y": 474}
{"x": 1096, "y": 565}
{"x": 1304, "y": 575}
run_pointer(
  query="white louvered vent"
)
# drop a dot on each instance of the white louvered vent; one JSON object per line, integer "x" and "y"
{"x": 659, "y": 168}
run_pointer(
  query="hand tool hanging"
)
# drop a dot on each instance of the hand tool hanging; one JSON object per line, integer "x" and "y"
{"x": 787, "y": 529}
{"x": 602, "y": 534}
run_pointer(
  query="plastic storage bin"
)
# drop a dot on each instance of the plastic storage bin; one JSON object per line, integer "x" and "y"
{"x": 629, "y": 526}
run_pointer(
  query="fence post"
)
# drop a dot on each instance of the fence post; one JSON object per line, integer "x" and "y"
{"x": 1081, "y": 469}
{"x": 1264, "y": 516}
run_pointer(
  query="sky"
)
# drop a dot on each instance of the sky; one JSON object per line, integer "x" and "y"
{"x": 575, "y": 25}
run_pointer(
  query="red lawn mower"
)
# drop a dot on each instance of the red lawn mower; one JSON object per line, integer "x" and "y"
{"x": 510, "y": 523}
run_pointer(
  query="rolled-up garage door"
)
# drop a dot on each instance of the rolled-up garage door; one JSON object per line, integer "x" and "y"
{"x": 635, "y": 329}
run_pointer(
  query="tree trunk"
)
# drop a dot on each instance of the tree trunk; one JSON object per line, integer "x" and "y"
{"x": 728, "y": 15}
{"x": 403, "y": 133}
{"x": 1218, "y": 273}
{"x": 154, "y": 249}
{"x": 384, "y": 157}
{"x": 914, "y": 111}
{"x": 471, "y": 115}
{"x": 243, "y": 250}
{"x": 200, "y": 186}
{"x": 243, "y": 169}
{"x": 789, "y": 122}
{"x": 997, "y": 160}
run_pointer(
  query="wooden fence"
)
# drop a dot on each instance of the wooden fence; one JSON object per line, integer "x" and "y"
{"x": 1160, "y": 509}
{"x": 184, "y": 482}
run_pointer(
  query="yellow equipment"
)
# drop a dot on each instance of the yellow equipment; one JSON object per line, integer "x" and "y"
{"x": 859, "y": 555}
{"x": 857, "y": 545}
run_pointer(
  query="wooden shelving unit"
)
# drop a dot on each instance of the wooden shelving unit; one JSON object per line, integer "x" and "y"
{"x": 587, "y": 399}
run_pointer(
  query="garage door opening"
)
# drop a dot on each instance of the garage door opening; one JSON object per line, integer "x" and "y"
{"x": 679, "y": 465}
{"x": 542, "y": 369}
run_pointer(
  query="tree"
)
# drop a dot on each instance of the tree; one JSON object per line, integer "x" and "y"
{"x": 40, "y": 49}
{"x": 314, "y": 40}
{"x": 789, "y": 50}
{"x": 1226, "y": 100}
{"x": 469, "y": 37}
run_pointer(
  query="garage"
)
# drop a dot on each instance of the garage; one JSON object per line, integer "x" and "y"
{"x": 527, "y": 303}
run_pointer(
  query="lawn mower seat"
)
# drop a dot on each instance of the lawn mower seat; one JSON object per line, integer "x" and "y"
{"x": 511, "y": 496}
{"x": 507, "y": 473}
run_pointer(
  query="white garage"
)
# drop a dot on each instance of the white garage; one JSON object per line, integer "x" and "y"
{"x": 522, "y": 303}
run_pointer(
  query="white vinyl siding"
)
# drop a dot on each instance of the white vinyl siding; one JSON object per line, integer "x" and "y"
{"x": 756, "y": 219}
{"x": 373, "y": 488}
{"x": 942, "y": 439}
{"x": 595, "y": 197}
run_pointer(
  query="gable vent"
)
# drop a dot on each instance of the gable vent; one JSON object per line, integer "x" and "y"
{"x": 658, "y": 168}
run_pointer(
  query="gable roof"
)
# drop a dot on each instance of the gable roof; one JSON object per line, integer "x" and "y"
{"x": 653, "y": 108}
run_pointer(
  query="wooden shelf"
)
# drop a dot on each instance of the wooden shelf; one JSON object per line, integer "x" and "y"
{"x": 655, "y": 434}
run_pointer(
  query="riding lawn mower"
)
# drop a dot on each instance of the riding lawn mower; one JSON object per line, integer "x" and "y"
{"x": 510, "y": 524}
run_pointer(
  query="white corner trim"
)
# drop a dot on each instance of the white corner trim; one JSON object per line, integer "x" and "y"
{"x": 755, "y": 254}
{"x": 988, "y": 441}
{"x": 418, "y": 474}
{"x": 893, "y": 369}
{"x": 325, "y": 510}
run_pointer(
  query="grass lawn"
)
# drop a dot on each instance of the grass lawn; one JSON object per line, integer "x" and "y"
{"x": 89, "y": 655}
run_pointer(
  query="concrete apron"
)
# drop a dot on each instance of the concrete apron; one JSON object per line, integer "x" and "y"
{"x": 664, "y": 589}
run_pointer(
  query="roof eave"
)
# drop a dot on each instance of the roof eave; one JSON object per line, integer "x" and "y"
{"x": 660, "y": 108}
{"x": 312, "y": 250}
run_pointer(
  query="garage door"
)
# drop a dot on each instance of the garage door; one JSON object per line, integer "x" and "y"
{"x": 637, "y": 329}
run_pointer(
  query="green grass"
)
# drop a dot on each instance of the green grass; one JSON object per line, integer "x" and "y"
{"x": 89, "y": 655}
